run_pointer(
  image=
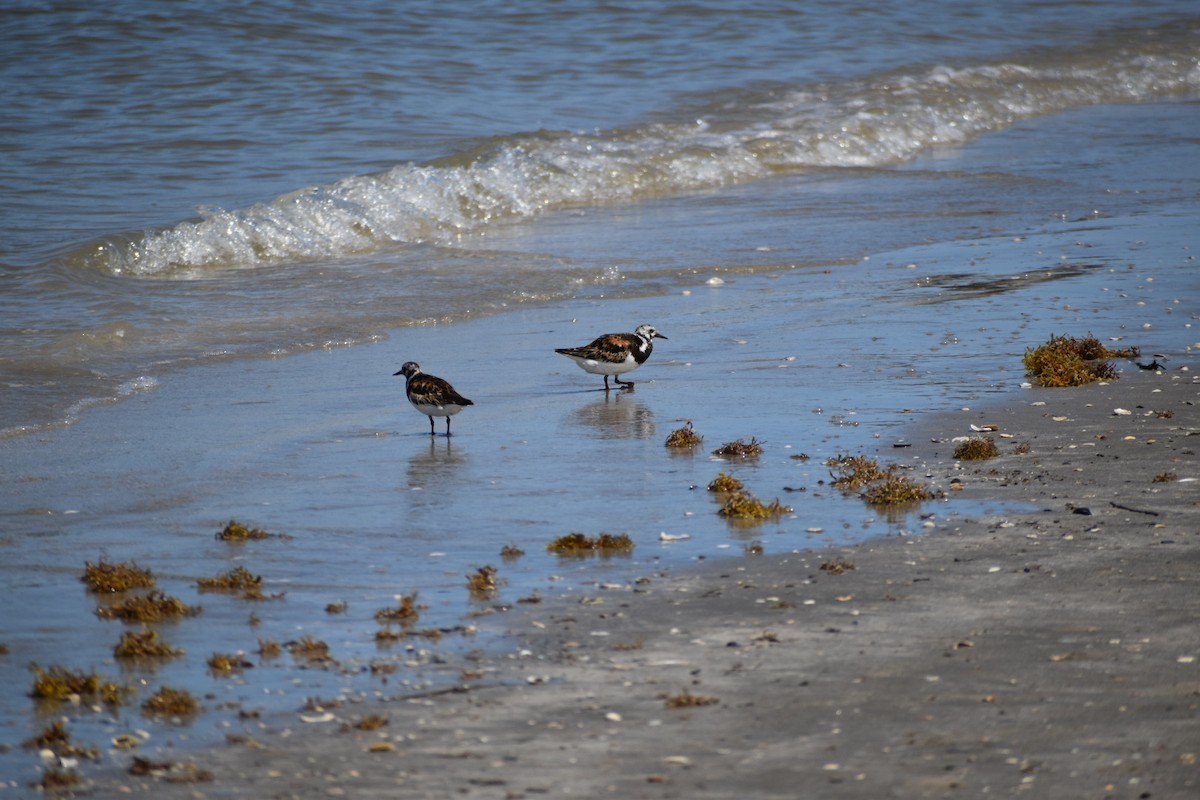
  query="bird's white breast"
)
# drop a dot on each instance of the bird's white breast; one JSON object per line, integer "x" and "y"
{"x": 607, "y": 367}
{"x": 432, "y": 410}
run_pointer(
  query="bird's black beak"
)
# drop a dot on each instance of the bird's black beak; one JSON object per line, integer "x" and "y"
{"x": 394, "y": 374}
{"x": 658, "y": 335}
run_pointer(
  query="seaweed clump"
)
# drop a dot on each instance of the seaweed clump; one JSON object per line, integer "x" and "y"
{"x": 880, "y": 486}
{"x": 854, "y": 472}
{"x": 370, "y": 722}
{"x": 310, "y": 650}
{"x": 57, "y": 739}
{"x": 268, "y": 648}
{"x": 152, "y": 607}
{"x": 483, "y": 582}
{"x": 837, "y": 567}
{"x": 52, "y": 737}
{"x": 578, "y": 544}
{"x": 1072, "y": 361}
{"x": 171, "y": 702}
{"x": 58, "y": 683}
{"x": 406, "y": 613}
{"x": 684, "y": 437}
{"x": 220, "y": 663}
{"x": 109, "y": 578}
{"x": 741, "y": 505}
{"x": 896, "y": 489}
{"x": 724, "y": 483}
{"x": 740, "y": 449}
{"x": 239, "y": 580}
{"x": 686, "y": 699}
{"x": 142, "y": 645}
{"x": 237, "y": 532}
{"x": 977, "y": 448}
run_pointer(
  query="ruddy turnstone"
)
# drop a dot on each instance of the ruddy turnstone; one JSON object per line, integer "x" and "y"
{"x": 431, "y": 395}
{"x": 614, "y": 353}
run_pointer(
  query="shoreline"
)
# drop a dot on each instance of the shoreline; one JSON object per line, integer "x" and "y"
{"x": 1051, "y": 651}
{"x": 560, "y": 686}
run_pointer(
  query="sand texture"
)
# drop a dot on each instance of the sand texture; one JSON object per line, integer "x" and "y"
{"x": 1053, "y": 652}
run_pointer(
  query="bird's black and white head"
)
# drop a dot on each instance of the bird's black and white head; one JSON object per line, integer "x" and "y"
{"x": 648, "y": 332}
{"x": 409, "y": 369}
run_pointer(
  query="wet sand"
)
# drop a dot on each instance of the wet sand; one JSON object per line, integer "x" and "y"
{"x": 1052, "y": 652}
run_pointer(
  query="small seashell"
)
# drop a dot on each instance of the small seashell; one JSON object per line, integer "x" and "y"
{"x": 612, "y": 716}
{"x": 1122, "y": 412}
{"x": 381, "y": 747}
{"x": 673, "y": 537}
{"x": 125, "y": 741}
{"x": 326, "y": 717}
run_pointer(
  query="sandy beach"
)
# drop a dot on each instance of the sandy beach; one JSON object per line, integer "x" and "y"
{"x": 1050, "y": 650}
{"x": 1051, "y": 653}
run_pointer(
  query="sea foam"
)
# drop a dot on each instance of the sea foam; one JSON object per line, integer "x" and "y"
{"x": 876, "y": 122}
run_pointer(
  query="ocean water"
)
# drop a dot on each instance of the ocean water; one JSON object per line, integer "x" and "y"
{"x": 207, "y": 181}
{"x": 223, "y": 227}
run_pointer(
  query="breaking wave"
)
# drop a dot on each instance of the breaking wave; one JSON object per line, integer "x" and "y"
{"x": 875, "y": 122}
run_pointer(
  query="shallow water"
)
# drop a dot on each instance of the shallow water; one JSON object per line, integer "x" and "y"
{"x": 200, "y": 185}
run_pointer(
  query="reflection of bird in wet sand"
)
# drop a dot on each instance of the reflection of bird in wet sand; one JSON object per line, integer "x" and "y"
{"x": 616, "y": 417}
{"x": 431, "y": 395}
{"x": 614, "y": 353}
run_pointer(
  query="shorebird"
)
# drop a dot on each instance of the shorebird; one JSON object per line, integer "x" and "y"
{"x": 614, "y": 353}
{"x": 431, "y": 395}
